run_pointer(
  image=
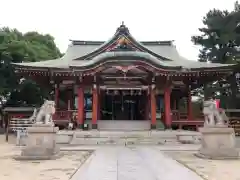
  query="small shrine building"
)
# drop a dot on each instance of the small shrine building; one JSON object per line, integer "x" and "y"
{"x": 122, "y": 79}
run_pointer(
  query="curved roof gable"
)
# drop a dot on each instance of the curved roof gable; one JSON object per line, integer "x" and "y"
{"x": 122, "y": 46}
{"x": 121, "y": 41}
{"x": 127, "y": 56}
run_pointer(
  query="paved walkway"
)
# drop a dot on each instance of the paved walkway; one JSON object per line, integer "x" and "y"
{"x": 123, "y": 163}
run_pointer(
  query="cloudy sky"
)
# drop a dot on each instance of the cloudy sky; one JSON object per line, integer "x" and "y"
{"x": 98, "y": 19}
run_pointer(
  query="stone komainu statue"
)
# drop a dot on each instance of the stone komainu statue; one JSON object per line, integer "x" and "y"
{"x": 212, "y": 115}
{"x": 45, "y": 113}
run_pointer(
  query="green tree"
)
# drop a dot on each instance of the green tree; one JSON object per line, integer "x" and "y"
{"x": 220, "y": 38}
{"x": 220, "y": 43}
{"x": 18, "y": 47}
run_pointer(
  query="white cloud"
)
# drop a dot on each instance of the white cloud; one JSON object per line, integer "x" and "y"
{"x": 97, "y": 20}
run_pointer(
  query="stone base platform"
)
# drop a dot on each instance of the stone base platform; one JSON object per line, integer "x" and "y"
{"x": 37, "y": 158}
{"x": 218, "y": 143}
{"x": 41, "y": 143}
{"x": 124, "y": 138}
{"x": 218, "y": 156}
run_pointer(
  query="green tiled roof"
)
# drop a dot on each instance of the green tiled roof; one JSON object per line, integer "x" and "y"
{"x": 76, "y": 51}
{"x": 159, "y": 53}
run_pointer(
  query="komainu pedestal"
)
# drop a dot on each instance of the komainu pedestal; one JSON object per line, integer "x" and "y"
{"x": 41, "y": 143}
{"x": 218, "y": 143}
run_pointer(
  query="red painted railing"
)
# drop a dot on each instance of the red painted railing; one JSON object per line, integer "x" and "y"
{"x": 64, "y": 115}
{"x": 180, "y": 119}
{"x": 20, "y": 115}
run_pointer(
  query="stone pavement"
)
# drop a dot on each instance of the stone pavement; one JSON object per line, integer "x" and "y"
{"x": 60, "y": 169}
{"x": 207, "y": 168}
{"x": 132, "y": 163}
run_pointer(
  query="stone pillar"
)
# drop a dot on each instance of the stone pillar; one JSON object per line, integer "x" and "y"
{"x": 189, "y": 104}
{"x": 41, "y": 143}
{"x": 80, "y": 93}
{"x": 56, "y": 95}
{"x": 167, "y": 109}
{"x": 153, "y": 106}
{"x": 94, "y": 106}
{"x": 218, "y": 143}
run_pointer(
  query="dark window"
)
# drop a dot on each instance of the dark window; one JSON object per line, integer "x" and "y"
{"x": 88, "y": 102}
{"x": 160, "y": 102}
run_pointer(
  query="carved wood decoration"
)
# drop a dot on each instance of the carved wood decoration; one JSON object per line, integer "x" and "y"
{"x": 122, "y": 44}
{"x": 125, "y": 69}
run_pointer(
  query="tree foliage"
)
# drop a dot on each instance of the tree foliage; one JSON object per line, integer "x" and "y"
{"x": 220, "y": 36}
{"x": 16, "y": 47}
{"x": 35, "y": 94}
{"x": 220, "y": 43}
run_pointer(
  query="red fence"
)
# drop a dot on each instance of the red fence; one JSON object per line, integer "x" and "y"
{"x": 62, "y": 117}
{"x": 180, "y": 120}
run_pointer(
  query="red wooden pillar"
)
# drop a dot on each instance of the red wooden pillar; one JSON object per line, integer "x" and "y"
{"x": 167, "y": 109}
{"x": 80, "y": 93}
{"x": 153, "y": 107}
{"x": 189, "y": 104}
{"x": 94, "y": 106}
{"x": 56, "y": 96}
{"x": 99, "y": 105}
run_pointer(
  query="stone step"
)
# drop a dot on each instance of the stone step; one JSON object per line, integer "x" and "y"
{"x": 124, "y": 125}
{"x": 123, "y": 134}
{"x": 124, "y": 138}
{"x": 122, "y": 141}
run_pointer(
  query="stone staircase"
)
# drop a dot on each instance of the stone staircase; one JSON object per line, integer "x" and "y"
{"x": 124, "y": 137}
{"x": 124, "y": 125}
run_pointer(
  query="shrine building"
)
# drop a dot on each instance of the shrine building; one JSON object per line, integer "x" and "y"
{"x": 122, "y": 81}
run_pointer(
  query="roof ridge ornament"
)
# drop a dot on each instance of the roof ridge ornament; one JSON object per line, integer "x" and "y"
{"x": 123, "y": 29}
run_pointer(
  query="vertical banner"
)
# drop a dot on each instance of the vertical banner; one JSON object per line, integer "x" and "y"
{"x": 217, "y": 101}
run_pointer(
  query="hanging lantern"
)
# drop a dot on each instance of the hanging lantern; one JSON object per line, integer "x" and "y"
{"x": 116, "y": 92}
{"x": 131, "y": 92}
{"x": 237, "y": 75}
{"x": 140, "y": 93}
